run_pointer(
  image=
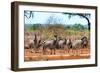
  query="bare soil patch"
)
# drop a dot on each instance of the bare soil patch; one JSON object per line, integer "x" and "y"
{"x": 37, "y": 55}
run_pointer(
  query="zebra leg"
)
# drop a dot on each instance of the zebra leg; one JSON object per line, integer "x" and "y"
{"x": 54, "y": 50}
{"x": 51, "y": 51}
{"x": 44, "y": 48}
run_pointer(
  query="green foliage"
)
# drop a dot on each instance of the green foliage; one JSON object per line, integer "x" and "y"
{"x": 30, "y": 27}
{"x": 36, "y": 26}
{"x": 78, "y": 27}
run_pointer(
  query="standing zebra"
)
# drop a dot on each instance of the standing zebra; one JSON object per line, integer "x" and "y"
{"x": 51, "y": 44}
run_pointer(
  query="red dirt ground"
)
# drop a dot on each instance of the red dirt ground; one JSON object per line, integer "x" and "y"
{"x": 37, "y": 55}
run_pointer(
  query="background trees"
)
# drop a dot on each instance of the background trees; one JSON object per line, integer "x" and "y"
{"x": 55, "y": 22}
{"x": 82, "y": 15}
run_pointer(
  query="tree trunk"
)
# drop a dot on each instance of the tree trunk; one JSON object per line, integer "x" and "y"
{"x": 89, "y": 24}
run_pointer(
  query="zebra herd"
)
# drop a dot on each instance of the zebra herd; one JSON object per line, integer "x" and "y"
{"x": 57, "y": 43}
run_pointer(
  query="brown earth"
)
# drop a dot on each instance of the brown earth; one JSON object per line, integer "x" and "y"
{"x": 37, "y": 55}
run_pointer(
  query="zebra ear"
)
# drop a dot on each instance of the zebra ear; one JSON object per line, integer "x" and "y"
{"x": 81, "y": 38}
{"x": 55, "y": 36}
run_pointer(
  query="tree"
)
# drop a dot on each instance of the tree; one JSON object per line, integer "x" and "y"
{"x": 78, "y": 27}
{"x": 36, "y": 26}
{"x": 53, "y": 20}
{"x": 28, "y": 14}
{"x": 81, "y": 15}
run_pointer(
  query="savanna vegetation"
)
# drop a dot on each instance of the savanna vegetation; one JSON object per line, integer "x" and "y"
{"x": 48, "y": 30}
